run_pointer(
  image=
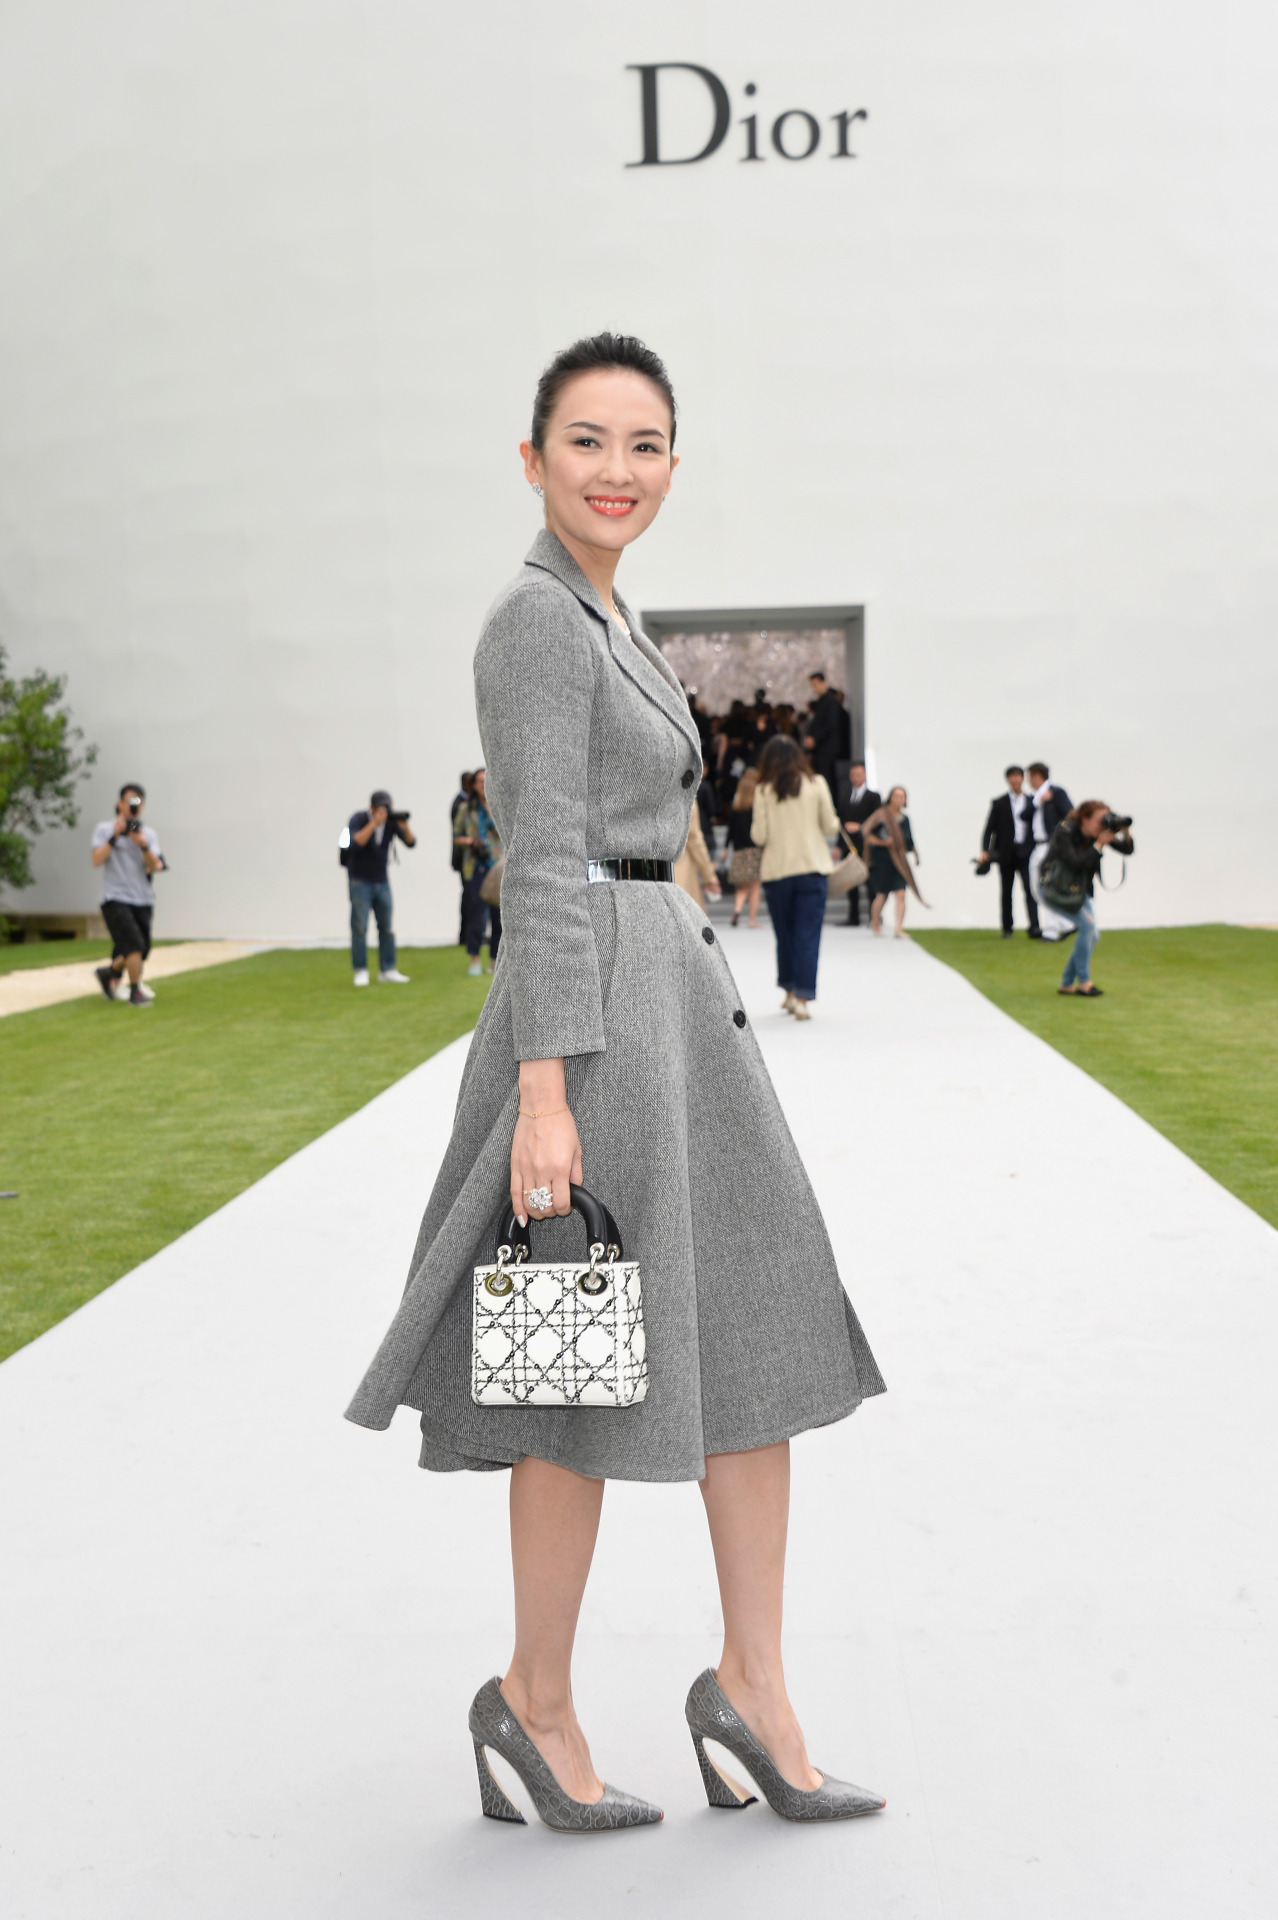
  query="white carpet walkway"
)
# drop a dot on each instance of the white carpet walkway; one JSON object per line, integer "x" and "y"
{"x": 25, "y": 988}
{"x": 1032, "y": 1594}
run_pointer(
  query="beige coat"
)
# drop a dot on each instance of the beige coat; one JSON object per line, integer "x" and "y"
{"x": 694, "y": 868}
{"x": 793, "y": 833}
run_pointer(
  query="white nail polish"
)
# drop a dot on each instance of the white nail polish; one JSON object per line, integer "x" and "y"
{"x": 523, "y": 1220}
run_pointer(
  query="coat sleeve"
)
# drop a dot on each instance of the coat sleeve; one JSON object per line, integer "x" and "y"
{"x": 759, "y": 818}
{"x": 989, "y": 839}
{"x": 534, "y": 691}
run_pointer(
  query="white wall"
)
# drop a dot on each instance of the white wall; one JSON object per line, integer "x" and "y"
{"x": 279, "y": 279}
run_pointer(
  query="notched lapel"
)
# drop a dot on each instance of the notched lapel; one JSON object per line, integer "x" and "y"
{"x": 638, "y": 659}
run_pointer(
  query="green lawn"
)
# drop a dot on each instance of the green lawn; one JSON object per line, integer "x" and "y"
{"x": 1187, "y": 1033}
{"x": 121, "y": 1127}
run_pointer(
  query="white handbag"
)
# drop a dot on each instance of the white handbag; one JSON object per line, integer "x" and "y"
{"x": 559, "y": 1334}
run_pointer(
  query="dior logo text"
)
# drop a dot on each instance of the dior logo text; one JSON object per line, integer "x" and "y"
{"x": 793, "y": 134}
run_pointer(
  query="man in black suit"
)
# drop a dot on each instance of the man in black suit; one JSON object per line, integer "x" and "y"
{"x": 1009, "y": 839}
{"x": 824, "y": 733}
{"x": 862, "y": 801}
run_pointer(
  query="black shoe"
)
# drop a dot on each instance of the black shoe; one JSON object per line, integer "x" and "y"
{"x": 1036, "y": 933}
{"x": 1007, "y": 933}
{"x": 106, "y": 980}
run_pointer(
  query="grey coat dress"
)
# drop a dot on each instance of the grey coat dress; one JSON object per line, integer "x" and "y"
{"x": 592, "y": 754}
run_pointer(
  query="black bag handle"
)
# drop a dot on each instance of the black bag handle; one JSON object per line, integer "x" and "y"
{"x": 601, "y": 1228}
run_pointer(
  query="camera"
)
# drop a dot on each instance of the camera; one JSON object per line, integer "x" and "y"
{"x": 404, "y": 815}
{"x": 1115, "y": 822}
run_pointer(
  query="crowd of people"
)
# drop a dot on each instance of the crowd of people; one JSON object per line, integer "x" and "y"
{"x": 779, "y": 783}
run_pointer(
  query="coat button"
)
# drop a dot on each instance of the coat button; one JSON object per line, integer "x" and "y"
{"x": 707, "y": 934}
{"x": 738, "y": 1018}
{"x": 687, "y": 778}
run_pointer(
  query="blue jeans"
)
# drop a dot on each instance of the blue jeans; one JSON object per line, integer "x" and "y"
{"x": 1078, "y": 968}
{"x": 476, "y": 913}
{"x": 797, "y": 908}
{"x": 377, "y": 895}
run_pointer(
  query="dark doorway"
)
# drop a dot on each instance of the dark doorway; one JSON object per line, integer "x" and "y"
{"x": 724, "y": 655}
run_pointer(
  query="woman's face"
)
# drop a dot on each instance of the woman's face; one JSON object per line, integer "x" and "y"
{"x": 606, "y": 465}
{"x": 1092, "y": 825}
{"x": 896, "y": 799}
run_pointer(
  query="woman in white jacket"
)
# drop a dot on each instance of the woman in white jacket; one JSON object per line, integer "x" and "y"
{"x": 793, "y": 819}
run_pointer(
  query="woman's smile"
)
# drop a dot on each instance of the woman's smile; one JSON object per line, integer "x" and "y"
{"x": 614, "y": 505}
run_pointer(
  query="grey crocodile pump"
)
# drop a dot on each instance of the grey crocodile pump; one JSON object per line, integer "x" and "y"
{"x": 492, "y": 1724}
{"x": 711, "y": 1716}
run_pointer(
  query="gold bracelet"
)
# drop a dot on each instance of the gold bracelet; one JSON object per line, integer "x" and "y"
{"x": 528, "y": 1114}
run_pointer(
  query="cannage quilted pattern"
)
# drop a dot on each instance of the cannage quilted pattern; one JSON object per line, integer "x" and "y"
{"x": 548, "y": 1344}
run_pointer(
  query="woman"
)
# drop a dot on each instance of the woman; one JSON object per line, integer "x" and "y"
{"x": 694, "y": 869}
{"x": 1076, "y": 845}
{"x": 613, "y": 1046}
{"x": 793, "y": 814}
{"x": 889, "y": 843}
{"x": 476, "y": 837}
{"x": 743, "y": 870}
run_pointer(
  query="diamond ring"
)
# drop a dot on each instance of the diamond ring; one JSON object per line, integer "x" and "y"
{"x": 540, "y": 1197}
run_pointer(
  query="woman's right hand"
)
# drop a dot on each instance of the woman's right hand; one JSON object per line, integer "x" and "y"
{"x": 546, "y": 1150}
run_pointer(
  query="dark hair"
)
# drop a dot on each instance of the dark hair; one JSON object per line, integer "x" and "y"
{"x": 1037, "y": 766}
{"x": 784, "y": 766}
{"x": 133, "y": 786}
{"x": 1085, "y": 809}
{"x": 857, "y": 763}
{"x": 898, "y": 788}
{"x": 816, "y": 674}
{"x": 1009, "y": 771}
{"x": 599, "y": 353}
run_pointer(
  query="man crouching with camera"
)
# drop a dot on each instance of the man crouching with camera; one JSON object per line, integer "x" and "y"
{"x": 1065, "y": 881}
{"x": 129, "y": 852}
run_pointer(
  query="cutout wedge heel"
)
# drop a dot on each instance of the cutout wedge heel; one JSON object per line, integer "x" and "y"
{"x": 496, "y": 1805}
{"x": 721, "y": 1789}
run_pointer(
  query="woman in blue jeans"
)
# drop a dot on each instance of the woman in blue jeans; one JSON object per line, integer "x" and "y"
{"x": 792, "y": 820}
{"x": 1077, "y": 844}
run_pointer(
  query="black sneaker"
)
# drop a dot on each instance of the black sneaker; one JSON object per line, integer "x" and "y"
{"x": 106, "y": 980}
{"x": 139, "y": 998}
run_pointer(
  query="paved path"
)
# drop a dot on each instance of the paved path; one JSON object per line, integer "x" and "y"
{"x": 29, "y": 987}
{"x": 1032, "y": 1593}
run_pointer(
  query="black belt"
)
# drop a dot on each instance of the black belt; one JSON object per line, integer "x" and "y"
{"x": 630, "y": 869}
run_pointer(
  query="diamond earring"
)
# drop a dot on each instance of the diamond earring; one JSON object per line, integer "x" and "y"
{"x": 536, "y": 487}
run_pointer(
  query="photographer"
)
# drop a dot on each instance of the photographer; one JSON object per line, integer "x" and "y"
{"x": 1068, "y": 874}
{"x": 129, "y": 853}
{"x": 372, "y": 836}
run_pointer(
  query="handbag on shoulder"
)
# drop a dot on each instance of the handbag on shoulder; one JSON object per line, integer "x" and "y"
{"x": 556, "y": 1333}
{"x": 850, "y": 872}
{"x": 490, "y": 885}
{"x": 1062, "y": 887}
